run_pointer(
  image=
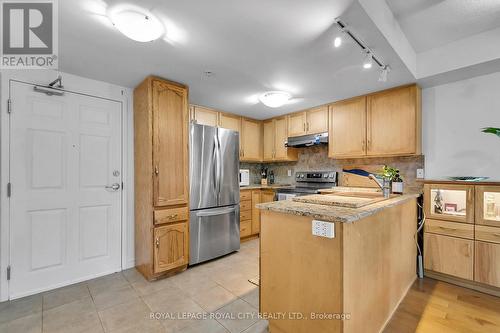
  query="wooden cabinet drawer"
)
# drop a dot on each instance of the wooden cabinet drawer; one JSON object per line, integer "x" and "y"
{"x": 447, "y": 228}
{"x": 487, "y": 263}
{"x": 245, "y": 195}
{"x": 171, "y": 215}
{"x": 245, "y": 228}
{"x": 488, "y": 234}
{"x": 245, "y": 215}
{"x": 449, "y": 255}
{"x": 245, "y": 205}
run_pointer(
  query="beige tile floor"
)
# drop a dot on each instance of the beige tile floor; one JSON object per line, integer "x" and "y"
{"x": 214, "y": 297}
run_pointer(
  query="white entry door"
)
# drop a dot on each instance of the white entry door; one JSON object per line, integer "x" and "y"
{"x": 66, "y": 165}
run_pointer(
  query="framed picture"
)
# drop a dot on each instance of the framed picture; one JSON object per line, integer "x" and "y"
{"x": 449, "y": 207}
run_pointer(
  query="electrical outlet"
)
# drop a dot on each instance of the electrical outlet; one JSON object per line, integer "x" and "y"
{"x": 289, "y": 173}
{"x": 323, "y": 229}
{"x": 420, "y": 174}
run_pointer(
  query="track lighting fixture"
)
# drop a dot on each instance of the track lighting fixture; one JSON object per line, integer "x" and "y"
{"x": 370, "y": 58}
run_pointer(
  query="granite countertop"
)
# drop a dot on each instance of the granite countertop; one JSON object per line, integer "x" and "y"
{"x": 333, "y": 213}
{"x": 264, "y": 187}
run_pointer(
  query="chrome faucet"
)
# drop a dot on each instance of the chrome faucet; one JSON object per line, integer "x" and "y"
{"x": 385, "y": 186}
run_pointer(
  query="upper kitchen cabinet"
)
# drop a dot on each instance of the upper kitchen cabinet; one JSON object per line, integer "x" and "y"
{"x": 275, "y": 136}
{"x": 297, "y": 124}
{"x": 312, "y": 121}
{"x": 387, "y": 123}
{"x": 251, "y": 140}
{"x": 170, "y": 141}
{"x": 347, "y": 130}
{"x": 204, "y": 116}
{"x": 230, "y": 121}
{"x": 317, "y": 120}
{"x": 394, "y": 122}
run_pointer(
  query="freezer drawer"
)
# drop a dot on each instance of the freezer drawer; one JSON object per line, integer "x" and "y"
{"x": 213, "y": 233}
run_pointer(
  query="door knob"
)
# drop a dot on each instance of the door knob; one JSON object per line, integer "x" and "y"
{"x": 114, "y": 187}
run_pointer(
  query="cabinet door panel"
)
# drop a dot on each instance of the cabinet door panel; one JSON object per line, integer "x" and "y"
{"x": 204, "y": 116}
{"x": 297, "y": 124}
{"x": 255, "y": 212}
{"x": 267, "y": 196}
{"x": 457, "y": 202}
{"x": 317, "y": 120}
{"x": 449, "y": 255}
{"x": 252, "y": 140}
{"x": 230, "y": 122}
{"x": 488, "y": 205}
{"x": 170, "y": 112}
{"x": 487, "y": 263}
{"x": 347, "y": 132}
{"x": 171, "y": 247}
{"x": 268, "y": 140}
{"x": 281, "y": 135}
{"x": 392, "y": 122}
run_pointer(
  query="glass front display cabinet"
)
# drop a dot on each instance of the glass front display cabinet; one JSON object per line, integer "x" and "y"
{"x": 488, "y": 205}
{"x": 450, "y": 202}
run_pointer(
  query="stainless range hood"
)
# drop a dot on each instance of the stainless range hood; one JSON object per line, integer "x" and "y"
{"x": 307, "y": 140}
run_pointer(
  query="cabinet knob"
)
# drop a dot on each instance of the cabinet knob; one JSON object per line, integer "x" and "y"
{"x": 157, "y": 242}
{"x": 157, "y": 171}
{"x": 173, "y": 216}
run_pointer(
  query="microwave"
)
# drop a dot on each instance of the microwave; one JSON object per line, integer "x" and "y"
{"x": 244, "y": 177}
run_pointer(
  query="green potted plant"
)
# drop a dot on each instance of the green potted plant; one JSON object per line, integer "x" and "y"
{"x": 392, "y": 174}
{"x": 492, "y": 130}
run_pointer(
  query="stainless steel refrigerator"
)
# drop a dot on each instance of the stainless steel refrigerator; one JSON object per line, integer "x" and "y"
{"x": 214, "y": 192}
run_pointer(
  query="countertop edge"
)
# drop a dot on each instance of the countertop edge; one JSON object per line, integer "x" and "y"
{"x": 335, "y": 214}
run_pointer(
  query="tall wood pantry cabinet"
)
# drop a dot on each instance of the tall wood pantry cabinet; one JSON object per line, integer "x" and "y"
{"x": 161, "y": 177}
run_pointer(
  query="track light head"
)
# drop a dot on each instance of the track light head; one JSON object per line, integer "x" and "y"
{"x": 383, "y": 73}
{"x": 368, "y": 62}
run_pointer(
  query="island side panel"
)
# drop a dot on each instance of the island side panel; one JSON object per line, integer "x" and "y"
{"x": 379, "y": 266}
{"x": 299, "y": 273}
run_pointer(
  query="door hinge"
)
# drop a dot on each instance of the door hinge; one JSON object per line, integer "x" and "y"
{"x": 9, "y": 106}
{"x": 9, "y": 190}
{"x": 8, "y": 273}
{"x": 122, "y": 185}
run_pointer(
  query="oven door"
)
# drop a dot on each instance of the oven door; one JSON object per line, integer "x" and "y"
{"x": 286, "y": 196}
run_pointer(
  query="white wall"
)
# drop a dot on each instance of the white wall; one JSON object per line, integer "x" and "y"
{"x": 453, "y": 115}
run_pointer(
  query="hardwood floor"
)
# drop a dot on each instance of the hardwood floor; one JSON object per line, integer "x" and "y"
{"x": 434, "y": 306}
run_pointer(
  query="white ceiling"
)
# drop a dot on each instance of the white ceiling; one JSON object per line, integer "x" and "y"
{"x": 251, "y": 46}
{"x": 432, "y": 23}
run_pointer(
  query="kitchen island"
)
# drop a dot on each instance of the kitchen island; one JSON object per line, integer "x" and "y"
{"x": 350, "y": 283}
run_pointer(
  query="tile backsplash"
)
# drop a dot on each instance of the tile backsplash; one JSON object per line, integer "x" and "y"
{"x": 316, "y": 159}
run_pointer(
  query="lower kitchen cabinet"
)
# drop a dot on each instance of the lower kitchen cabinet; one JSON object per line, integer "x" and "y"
{"x": 449, "y": 255}
{"x": 267, "y": 196}
{"x": 171, "y": 246}
{"x": 487, "y": 263}
{"x": 249, "y": 214}
{"x": 255, "y": 212}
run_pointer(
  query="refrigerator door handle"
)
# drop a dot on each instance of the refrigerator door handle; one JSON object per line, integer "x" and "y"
{"x": 215, "y": 212}
{"x": 218, "y": 168}
{"x": 215, "y": 173}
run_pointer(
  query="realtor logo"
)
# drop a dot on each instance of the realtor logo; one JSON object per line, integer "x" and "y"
{"x": 29, "y": 34}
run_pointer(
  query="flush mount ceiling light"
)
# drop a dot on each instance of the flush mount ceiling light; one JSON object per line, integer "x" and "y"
{"x": 370, "y": 57}
{"x": 275, "y": 99}
{"x": 137, "y": 24}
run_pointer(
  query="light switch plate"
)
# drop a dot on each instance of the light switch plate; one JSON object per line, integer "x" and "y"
{"x": 289, "y": 173}
{"x": 323, "y": 229}
{"x": 420, "y": 174}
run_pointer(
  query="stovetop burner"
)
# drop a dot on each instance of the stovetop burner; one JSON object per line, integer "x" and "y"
{"x": 311, "y": 182}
